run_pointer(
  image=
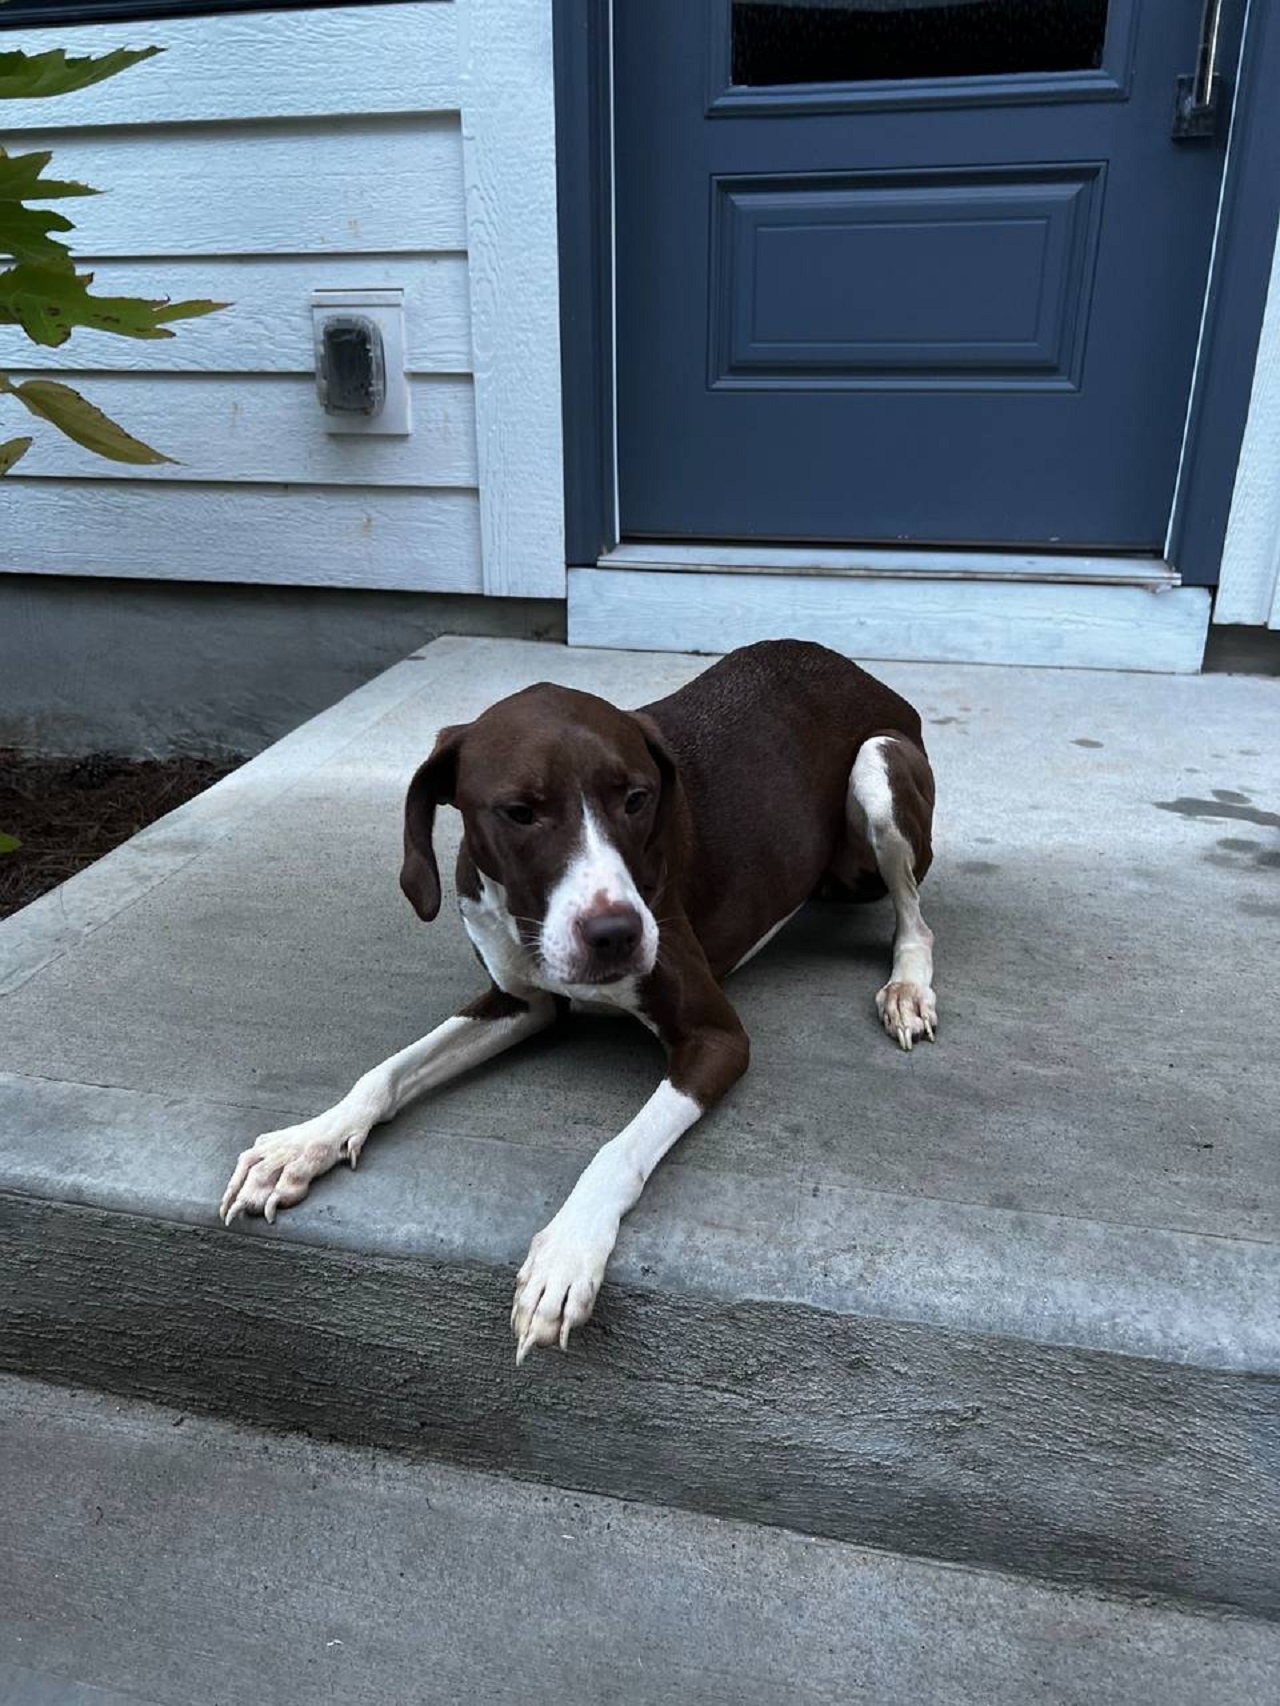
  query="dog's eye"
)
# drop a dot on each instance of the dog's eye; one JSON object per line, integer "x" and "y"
{"x": 636, "y": 801}
{"x": 518, "y": 812}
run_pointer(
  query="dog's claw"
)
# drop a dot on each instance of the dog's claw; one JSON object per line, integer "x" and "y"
{"x": 908, "y": 1012}
{"x": 279, "y": 1168}
{"x": 557, "y": 1286}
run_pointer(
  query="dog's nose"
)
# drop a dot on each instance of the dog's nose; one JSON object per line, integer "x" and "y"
{"x": 613, "y": 934}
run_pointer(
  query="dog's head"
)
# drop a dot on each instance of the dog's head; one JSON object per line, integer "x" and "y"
{"x": 567, "y": 807}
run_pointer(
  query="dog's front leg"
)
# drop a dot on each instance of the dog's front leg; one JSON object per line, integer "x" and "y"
{"x": 277, "y": 1171}
{"x": 556, "y": 1288}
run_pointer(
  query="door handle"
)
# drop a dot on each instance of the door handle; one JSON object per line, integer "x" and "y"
{"x": 1199, "y": 100}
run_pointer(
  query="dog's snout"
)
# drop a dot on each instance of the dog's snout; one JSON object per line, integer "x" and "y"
{"x": 612, "y": 934}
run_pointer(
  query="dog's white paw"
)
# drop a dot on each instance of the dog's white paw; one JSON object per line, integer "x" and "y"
{"x": 907, "y": 1011}
{"x": 277, "y": 1171}
{"x": 556, "y": 1289}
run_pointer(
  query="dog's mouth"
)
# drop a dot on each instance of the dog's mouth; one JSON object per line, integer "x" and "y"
{"x": 587, "y": 975}
{"x": 591, "y": 977}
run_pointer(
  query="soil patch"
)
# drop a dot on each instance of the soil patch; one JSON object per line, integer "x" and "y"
{"x": 67, "y": 812}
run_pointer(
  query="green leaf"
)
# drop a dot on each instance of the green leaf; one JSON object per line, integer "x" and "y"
{"x": 32, "y": 76}
{"x": 48, "y": 299}
{"x": 8, "y": 843}
{"x": 70, "y": 413}
{"x": 20, "y": 179}
{"x": 24, "y": 231}
{"x": 13, "y": 452}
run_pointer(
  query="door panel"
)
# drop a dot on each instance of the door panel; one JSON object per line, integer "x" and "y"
{"x": 903, "y": 280}
{"x": 952, "y": 310}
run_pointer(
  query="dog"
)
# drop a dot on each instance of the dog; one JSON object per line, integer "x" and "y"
{"x": 630, "y": 860}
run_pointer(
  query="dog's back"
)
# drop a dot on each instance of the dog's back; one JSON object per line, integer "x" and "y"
{"x": 765, "y": 741}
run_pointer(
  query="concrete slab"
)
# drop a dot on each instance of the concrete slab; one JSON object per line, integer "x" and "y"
{"x": 1085, "y": 1164}
{"x": 160, "y": 1557}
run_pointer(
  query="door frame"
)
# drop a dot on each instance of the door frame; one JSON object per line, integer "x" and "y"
{"x": 1240, "y": 266}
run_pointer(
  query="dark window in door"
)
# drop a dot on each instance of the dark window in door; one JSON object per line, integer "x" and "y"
{"x": 836, "y": 41}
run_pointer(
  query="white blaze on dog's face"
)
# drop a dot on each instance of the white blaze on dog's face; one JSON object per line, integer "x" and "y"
{"x": 597, "y": 928}
{"x": 566, "y": 805}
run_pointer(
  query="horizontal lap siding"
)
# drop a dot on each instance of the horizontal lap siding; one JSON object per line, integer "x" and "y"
{"x": 220, "y": 428}
{"x": 261, "y": 157}
{"x": 316, "y": 535}
{"x": 270, "y": 330}
{"x": 327, "y": 186}
{"x": 379, "y": 59}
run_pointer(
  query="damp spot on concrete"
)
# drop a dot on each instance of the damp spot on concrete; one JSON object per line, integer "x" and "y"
{"x": 1193, "y": 770}
{"x": 978, "y": 867}
{"x": 985, "y": 840}
{"x": 1250, "y": 752}
{"x": 1231, "y": 808}
{"x": 1260, "y": 908}
{"x": 1230, "y": 797}
{"x": 1269, "y": 861}
{"x": 1084, "y": 742}
{"x": 941, "y": 720}
{"x": 1239, "y": 844}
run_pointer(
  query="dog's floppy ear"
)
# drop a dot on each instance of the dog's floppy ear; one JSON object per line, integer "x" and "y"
{"x": 433, "y": 785}
{"x": 663, "y": 757}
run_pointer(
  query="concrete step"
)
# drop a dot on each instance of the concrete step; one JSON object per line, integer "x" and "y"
{"x": 154, "y": 1556}
{"x": 1013, "y": 1300}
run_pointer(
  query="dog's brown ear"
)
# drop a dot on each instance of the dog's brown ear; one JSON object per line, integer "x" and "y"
{"x": 433, "y": 785}
{"x": 663, "y": 757}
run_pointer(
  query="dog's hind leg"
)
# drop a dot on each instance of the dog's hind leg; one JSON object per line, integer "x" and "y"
{"x": 277, "y": 1171}
{"x": 890, "y": 811}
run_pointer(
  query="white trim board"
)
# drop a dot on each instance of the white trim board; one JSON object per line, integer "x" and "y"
{"x": 1067, "y": 627}
{"x": 880, "y": 563}
{"x": 1249, "y": 586}
{"x": 509, "y": 168}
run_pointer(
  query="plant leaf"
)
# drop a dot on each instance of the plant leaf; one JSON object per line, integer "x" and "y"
{"x": 70, "y": 413}
{"x": 32, "y": 76}
{"x": 8, "y": 843}
{"x": 48, "y": 299}
{"x": 13, "y": 452}
{"x": 24, "y": 230}
{"x": 20, "y": 179}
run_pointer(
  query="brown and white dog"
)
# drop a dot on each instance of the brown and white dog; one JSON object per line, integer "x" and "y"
{"x": 632, "y": 860}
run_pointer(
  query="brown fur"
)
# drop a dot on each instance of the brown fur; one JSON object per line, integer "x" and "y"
{"x": 746, "y": 773}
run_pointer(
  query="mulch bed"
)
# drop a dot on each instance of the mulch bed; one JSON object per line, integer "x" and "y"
{"x": 67, "y": 812}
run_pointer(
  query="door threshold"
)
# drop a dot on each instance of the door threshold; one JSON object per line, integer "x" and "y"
{"x": 880, "y": 563}
{"x": 920, "y": 619}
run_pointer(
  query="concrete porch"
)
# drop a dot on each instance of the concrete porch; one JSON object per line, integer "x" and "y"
{"x": 1013, "y": 1300}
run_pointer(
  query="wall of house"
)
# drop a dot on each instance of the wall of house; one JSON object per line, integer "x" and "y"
{"x": 262, "y": 156}
{"x": 1249, "y": 591}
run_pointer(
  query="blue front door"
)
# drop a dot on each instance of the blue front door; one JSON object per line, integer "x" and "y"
{"x": 926, "y": 272}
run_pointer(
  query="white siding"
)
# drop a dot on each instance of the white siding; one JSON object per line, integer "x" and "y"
{"x": 261, "y": 157}
{"x": 217, "y": 429}
{"x": 318, "y": 535}
{"x": 1249, "y": 590}
{"x": 270, "y": 329}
